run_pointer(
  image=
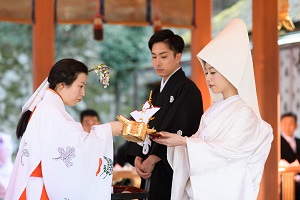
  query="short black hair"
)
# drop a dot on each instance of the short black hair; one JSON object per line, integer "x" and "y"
{"x": 289, "y": 114}
{"x": 63, "y": 71}
{"x": 88, "y": 112}
{"x": 173, "y": 42}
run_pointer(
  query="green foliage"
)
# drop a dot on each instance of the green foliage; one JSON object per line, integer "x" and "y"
{"x": 15, "y": 73}
{"x": 124, "y": 49}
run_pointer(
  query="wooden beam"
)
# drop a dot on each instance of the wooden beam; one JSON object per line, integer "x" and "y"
{"x": 43, "y": 41}
{"x": 266, "y": 67}
{"x": 201, "y": 35}
{"x": 18, "y": 21}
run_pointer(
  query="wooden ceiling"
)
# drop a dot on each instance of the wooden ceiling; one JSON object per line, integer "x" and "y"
{"x": 175, "y": 13}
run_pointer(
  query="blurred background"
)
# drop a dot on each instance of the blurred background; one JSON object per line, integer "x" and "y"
{"x": 124, "y": 49}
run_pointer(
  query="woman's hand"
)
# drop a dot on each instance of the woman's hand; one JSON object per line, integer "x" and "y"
{"x": 116, "y": 128}
{"x": 170, "y": 139}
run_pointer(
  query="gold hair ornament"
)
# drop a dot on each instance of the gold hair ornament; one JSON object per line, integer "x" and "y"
{"x": 103, "y": 72}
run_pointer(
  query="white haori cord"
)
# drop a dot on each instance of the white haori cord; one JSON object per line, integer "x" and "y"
{"x": 145, "y": 144}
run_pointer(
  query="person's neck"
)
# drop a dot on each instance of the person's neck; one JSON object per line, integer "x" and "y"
{"x": 287, "y": 135}
{"x": 56, "y": 93}
{"x": 167, "y": 77}
{"x": 230, "y": 94}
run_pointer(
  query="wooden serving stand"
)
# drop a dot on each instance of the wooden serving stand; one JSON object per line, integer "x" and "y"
{"x": 127, "y": 174}
{"x": 128, "y": 193}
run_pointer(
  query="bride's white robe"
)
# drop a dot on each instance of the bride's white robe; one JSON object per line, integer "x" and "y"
{"x": 225, "y": 158}
{"x": 75, "y": 165}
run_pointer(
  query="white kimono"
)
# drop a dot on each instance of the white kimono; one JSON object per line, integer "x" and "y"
{"x": 75, "y": 165}
{"x": 225, "y": 158}
{"x": 6, "y": 165}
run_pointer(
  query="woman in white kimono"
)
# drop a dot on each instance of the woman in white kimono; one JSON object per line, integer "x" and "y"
{"x": 57, "y": 159}
{"x": 225, "y": 158}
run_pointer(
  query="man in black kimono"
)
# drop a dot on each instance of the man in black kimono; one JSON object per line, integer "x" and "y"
{"x": 180, "y": 111}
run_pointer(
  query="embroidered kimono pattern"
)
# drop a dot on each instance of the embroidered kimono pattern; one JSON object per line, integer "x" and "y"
{"x": 66, "y": 155}
{"x": 69, "y": 156}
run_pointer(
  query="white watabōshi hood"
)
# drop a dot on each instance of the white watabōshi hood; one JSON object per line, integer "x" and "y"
{"x": 229, "y": 53}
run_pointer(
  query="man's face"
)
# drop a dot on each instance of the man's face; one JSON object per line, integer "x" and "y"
{"x": 288, "y": 125}
{"x": 163, "y": 60}
{"x": 88, "y": 122}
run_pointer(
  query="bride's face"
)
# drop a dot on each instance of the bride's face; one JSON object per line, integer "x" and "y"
{"x": 217, "y": 82}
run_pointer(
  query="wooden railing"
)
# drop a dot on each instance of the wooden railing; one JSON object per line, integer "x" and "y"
{"x": 287, "y": 175}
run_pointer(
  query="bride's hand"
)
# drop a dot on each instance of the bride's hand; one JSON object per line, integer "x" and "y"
{"x": 170, "y": 139}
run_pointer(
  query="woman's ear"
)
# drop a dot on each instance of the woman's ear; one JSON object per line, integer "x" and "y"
{"x": 59, "y": 86}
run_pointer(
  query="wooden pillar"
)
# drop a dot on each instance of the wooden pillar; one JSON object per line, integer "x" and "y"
{"x": 201, "y": 35}
{"x": 266, "y": 67}
{"x": 42, "y": 40}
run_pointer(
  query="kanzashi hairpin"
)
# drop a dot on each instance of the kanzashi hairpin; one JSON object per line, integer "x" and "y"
{"x": 103, "y": 72}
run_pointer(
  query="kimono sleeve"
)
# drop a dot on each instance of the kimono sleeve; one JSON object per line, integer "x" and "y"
{"x": 182, "y": 117}
{"x": 238, "y": 141}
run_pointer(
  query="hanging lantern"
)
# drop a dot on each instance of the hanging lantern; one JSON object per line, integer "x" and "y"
{"x": 157, "y": 25}
{"x": 98, "y": 23}
{"x": 283, "y": 18}
{"x": 98, "y": 28}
